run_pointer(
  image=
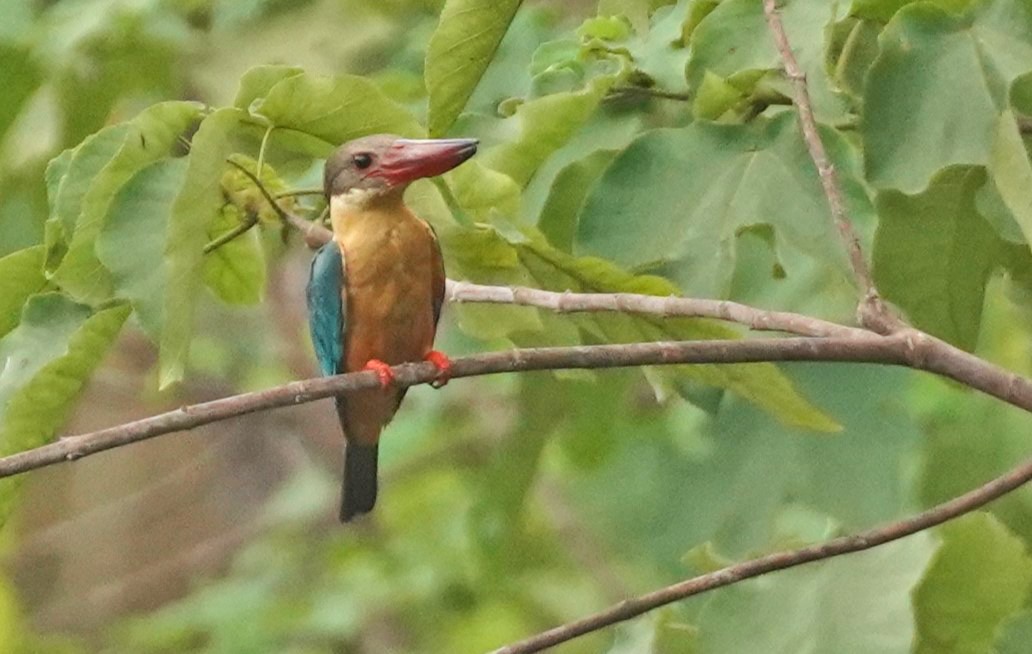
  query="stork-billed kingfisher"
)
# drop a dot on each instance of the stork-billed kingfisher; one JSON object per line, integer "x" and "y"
{"x": 376, "y": 289}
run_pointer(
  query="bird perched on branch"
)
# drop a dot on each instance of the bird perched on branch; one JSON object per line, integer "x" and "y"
{"x": 376, "y": 289}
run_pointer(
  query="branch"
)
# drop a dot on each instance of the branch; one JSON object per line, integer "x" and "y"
{"x": 732, "y": 574}
{"x": 907, "y": 348}
{"x": 872, "y": 312}
{"x": 315, "y": 234}
{"x": 872, "y": 349}
{"x": 663, "y": 306}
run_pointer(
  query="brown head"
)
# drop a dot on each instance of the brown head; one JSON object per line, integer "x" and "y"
{"x": 384, "y": 164}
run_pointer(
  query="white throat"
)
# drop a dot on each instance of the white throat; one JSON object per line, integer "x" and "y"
{"x": 357, "y": 199}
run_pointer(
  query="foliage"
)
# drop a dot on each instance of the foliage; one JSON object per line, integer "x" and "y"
{"x": 647, "y": 146}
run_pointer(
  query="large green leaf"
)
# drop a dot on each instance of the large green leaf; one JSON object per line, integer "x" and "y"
{"x": 933, "y": 254}
{"x": 558, "y": 219}
{"x": 545, "y": 125}
{"x": 258, "y": 81}
{"x": 807, "y": 610}
{"x": 334, "y": 109}
{"x": 459, "y": 52}
{"x": 194, "y": 209}
{"x": 676, "y": 200}
{"x": 979, "y": 576}
{"x": 951, "y": 71}
{"x": 21, "y": 276}
{"x": 47, "y": 359}
{"x": 133, "y": 240}
{"x": 150, "y": 136}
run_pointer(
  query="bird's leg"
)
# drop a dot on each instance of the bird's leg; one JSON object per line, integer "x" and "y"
{"x": 382, "y": 370}
{"x": 443, "y": 365}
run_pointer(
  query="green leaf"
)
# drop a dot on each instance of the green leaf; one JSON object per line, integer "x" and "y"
{"x": 661, "y": 53}
{"x": 979, "y": 576}
{"x": 47, "y": 359}
{"x": 235, "y": 271}
{"x": 459, "y": 52}
{"x": 480, "y": 191}
{"x": 150, "y": 136}
{"x": 806, "y": 610}
{"x": 934, "y": 253}
{"x": 132, "y": 243}
{"x": 1012, "y": 173}
{"x": 884, "y": 10}
{"x": 334, "y": 109}
{"x": 21, "y": 276}
{"x": 545, "y": 125}
{"x": 715, "y": 97}
{"x": 1014, "y": 634}
{"x": 86, "y": 161}
{"x": 952, "y": 71}
{"x": 727, "y": 178}
{"x": 194, "y": 209}
{"x": 258, "y": 81}
{"x": 558, "y": 220}
{"x": 19, "y": 78}
{"x": 858, "y": 52}
{"x": 734, "y": 38}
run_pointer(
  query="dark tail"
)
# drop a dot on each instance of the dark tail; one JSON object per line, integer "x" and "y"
{"x": 358, "y": 492}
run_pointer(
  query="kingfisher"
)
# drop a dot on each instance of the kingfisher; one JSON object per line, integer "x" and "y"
{"x": 376, "y": 289}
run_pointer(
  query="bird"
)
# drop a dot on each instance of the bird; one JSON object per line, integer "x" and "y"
{"x": 375, "y": 290}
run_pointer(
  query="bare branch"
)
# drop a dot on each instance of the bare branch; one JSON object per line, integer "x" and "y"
{"x": 732, "y": 574}
{"x": 665, "y": 306}
{"x": 873, "y": 312}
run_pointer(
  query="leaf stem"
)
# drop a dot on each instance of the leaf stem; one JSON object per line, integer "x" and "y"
{"x": 249, "y": 221}
{"x": 458, "y": 212}
{"x": 261, "y": 151}
{"x": 297, "y": 192}
{"x": 650, "y": 92}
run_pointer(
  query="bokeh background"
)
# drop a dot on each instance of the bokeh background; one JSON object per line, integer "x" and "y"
{"x": 508, "y": 504}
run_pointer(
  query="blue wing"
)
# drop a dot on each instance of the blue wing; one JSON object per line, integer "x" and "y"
{"x": 326, "y": 308}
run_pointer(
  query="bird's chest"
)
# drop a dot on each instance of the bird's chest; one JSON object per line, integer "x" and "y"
{"x": 389, "y": 300}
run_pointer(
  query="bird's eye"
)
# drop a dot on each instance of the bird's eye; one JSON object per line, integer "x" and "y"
{"x": 363, "y": 160}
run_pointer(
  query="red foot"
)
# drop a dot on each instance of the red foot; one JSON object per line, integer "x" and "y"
{"x": 382, "y": 370}
{"x": 443, "y": 365}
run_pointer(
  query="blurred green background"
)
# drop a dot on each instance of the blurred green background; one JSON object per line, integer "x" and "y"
{"x": 509, "y": 504}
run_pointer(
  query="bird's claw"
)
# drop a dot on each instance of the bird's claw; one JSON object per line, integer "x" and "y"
{"x": 382, "y": 370}
{"x": 443, "y": 365}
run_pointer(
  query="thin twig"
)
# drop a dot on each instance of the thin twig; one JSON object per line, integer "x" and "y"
{"x": 872, "y": 312}
{"x": 732, "y": 574}
{"x": 665, "y": 306}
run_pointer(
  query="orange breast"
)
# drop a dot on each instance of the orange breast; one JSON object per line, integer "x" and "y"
{"x": 390, "y": 264}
